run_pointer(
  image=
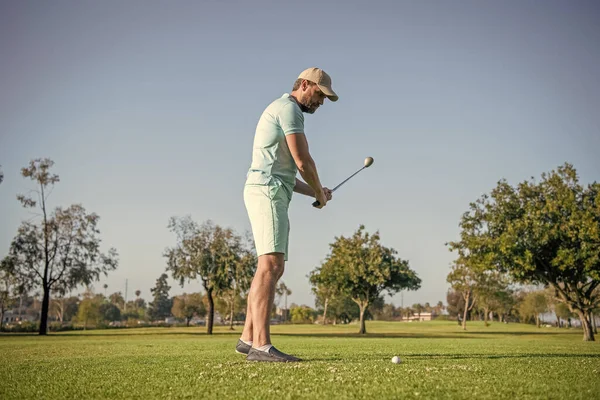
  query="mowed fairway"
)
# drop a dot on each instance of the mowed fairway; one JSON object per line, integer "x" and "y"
{"x": 439, "y": 361}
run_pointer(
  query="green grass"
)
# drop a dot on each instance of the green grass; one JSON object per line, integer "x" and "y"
{"x": 440, "y": 361}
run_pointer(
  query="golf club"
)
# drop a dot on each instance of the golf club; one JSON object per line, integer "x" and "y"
{"x": 368, "y": 163}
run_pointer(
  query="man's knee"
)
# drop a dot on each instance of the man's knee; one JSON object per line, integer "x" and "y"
{"x": 272, "y": 264}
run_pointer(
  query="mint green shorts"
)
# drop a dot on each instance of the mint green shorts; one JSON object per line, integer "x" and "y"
{"x": 267, "y": 207}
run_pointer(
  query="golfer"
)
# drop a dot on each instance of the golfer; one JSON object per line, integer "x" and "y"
{"x": 280, "y": 150}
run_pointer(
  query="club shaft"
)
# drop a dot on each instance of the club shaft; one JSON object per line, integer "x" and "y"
{"x": 333, "y": 190}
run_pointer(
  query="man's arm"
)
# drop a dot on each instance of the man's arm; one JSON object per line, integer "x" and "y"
{"x": 303, "y": 188}
{"x": 306, "y": 166}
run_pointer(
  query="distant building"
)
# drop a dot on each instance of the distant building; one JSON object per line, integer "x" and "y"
{"x": 424, "y": 316}
{"x": 12, "y": 317}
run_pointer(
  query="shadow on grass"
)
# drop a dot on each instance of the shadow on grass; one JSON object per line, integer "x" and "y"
{"x": 493, "y": 356}
{"x": 399, "y": 335}
{"x": 432, "y": 357}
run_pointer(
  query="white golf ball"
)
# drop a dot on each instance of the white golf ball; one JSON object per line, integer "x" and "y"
{"x": 396, "y": 360}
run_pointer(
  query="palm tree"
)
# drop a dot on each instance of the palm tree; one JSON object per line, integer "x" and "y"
{"x": 105, "y": 287}
{"x": 439, "y": 308}
{"x": 419, "y": 309}
{"x": 283, "y": 290}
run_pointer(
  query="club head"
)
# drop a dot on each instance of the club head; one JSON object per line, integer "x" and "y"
{"x": 368, "y": 161}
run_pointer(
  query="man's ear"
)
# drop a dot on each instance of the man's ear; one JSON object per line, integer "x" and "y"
{"x": 305, "y": 84}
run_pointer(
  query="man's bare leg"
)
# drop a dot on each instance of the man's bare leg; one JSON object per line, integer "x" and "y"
{"x": 260, "y": 299}
{"x": 248, "y": 333}
{"x": 261, "y": 296}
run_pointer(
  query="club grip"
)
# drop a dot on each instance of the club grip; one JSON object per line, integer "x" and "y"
{"x": 316, "y": 203}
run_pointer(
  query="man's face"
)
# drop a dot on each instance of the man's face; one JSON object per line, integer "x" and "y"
{"x": 311, "y": 97}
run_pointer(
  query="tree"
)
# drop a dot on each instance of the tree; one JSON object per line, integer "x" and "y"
{"x": 491, "y": 293}
{"x": 456, "y": 304}
{"x": 302, "y": 315}
{"x": 341, "y": 308}
{"x": 438, "y": 308}
{"x": 390, "y": 312}
{"x": 427, "y": 307}
{"x": 533, "y": 305}
{"x": 7, "y": 286}
{"x": 65, "y": 308}
{"x": 208, "y": 252}
{"x": 362, "y": 268}
{"x": 470, "y": 271}
{"x": 137, "y": 293}
{"x": 545, "y": 232}
{"x": 419, "y": 308}
{"x": 109, "y": 312}
{"x": 241, "y": 271}
{"x": 117, "y": 299}
{"x": 323, "y": 292}
{"x": 64, "y": 250}
{"x": 562, "y": 311}
{"x": 160, "y": 308}
{"x": 89, "y": 309}
{"x": 187, "y": 306}
{"x": 283, "y": 291}
{"x": 463, "y": 279}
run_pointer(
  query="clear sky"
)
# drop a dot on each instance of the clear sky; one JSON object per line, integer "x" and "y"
{"x": 149, "y": 108}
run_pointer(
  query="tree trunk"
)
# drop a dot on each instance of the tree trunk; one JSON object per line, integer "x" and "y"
{"x": 464, "y": 321}
{"x": 593, "y": 320}
{"x": 211, "y": 312}
{"x": 569, "y": 322}
{"x": 286, "y": 309}
{"x": 187, "y": 321}
{"x": 558, "y": 320}
{"x": 537, "y": 320}
{"x": 20, "y": 306}
{"x": 46, "y": 287}
{"x": 485, "y": 316}
{"x": 325, "y": 312}
{"x": 231, "y": 312}
{"x": 1, "y": 316}
{"x": 363, "y": 308}
{"x": 45, "y": 307}
{"x": 588, "y": 333}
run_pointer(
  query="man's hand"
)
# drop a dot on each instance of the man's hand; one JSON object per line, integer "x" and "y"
{"x": 328, "y": 193}
{"x": 321, "y": 198}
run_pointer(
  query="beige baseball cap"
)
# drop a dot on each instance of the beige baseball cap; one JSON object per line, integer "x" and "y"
{"x": 322, "y": 79}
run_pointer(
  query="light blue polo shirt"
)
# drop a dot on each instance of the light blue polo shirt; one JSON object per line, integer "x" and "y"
{"x": 271, "y": 157}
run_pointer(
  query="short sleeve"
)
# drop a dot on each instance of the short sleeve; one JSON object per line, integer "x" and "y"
{"x": 291, "y": 119}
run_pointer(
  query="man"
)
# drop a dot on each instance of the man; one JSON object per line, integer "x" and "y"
{"x": 280, "y": 150}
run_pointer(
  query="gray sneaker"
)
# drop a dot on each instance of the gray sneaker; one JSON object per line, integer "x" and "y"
{"x": 242, "y": 348}
{"x": 273, "y": 355}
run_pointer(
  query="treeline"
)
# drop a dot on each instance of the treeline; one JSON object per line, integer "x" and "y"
{"x": 343, "y": 309}
{"x": 99, "y": 310}
{"x": 59, "y": 251}
{"x": 511, "y": 305}
{"x": 539, "y": 232}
